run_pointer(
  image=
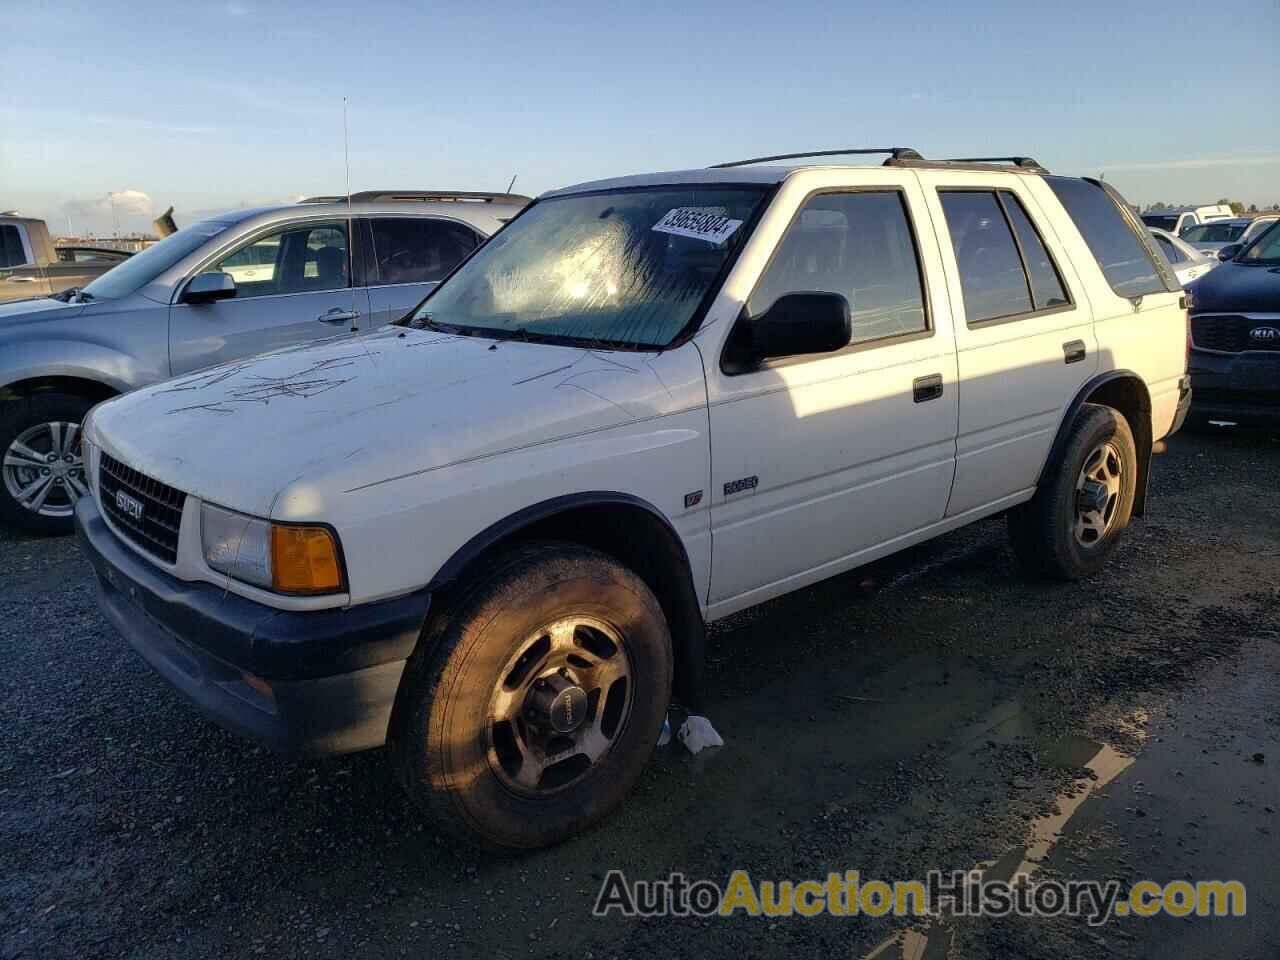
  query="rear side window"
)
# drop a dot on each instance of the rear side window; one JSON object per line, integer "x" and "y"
{"x": 859, "y": 245}
{"x": 12, "y": 253}
{"x": 1046, "y": 284}
{"x": 417, "y": 250}
{"x": 1171, "y": 253}
{"x": 991, "y": 275}
{"x": 1125, "y": 261}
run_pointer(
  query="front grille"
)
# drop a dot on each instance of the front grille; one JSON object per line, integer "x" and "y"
{"x": 1230, "y": 333}
{"x": 156, "y": 530}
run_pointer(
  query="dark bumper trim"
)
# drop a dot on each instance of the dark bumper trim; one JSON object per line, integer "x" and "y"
{"x": 333, "y": 673}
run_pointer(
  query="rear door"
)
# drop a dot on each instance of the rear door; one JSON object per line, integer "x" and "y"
{"x": 405, "y": 256}
{"x": 1023, "y": 330}
{"x": 293, "y": 285}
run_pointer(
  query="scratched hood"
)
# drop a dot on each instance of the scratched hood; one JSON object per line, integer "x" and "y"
{"x": 346, "y": 413}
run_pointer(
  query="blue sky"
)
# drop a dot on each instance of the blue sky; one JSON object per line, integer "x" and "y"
{"x": 225, "y": 104}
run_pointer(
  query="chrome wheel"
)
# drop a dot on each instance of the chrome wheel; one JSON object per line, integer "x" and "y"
{"x": 563, "y": 698}
{"x": 44, "y": 470}
{"x": 1098, "y": 491}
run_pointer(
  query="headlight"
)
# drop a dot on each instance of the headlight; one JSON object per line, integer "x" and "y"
{"x": 286, "y": 558}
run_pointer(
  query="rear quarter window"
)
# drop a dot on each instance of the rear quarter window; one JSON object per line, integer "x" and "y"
{"x": 12, "y": 252}
{"x": 1125, "y": 260}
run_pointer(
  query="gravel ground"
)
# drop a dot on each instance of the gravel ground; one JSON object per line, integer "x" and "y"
{"x": 921, "y": 713}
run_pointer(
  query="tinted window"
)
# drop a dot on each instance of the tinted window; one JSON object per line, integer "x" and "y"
{"x": 1120, "y": 253}
{"x": 991, "y": 274}
{"x": 12, "y": 253}
{"x": 1172, "y": 253}
{"x": 1161, "y": 221}
{"x": 1046, "y": 285}
{"x": 1266, "y": 249}
{"x": 300, "y": 259}
{"x": 858, "y": 245}
{"x": 417, "y": 250}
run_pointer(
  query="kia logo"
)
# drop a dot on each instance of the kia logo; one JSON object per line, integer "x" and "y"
{"x": 1265, "y": 334}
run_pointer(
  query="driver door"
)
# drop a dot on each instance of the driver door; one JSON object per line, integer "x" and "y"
{"x": 293, "y": 285}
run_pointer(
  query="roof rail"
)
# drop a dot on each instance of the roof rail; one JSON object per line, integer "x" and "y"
{"x": 1027, "y": 163}
{"x": 895, "y": 153}
{"x": 442, "y": 196}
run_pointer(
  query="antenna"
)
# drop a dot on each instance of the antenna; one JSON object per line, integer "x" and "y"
{"x": 351, "y": 240}
{"x": 513, "y": 182}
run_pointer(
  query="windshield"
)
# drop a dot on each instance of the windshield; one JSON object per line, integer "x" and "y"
{"x": 142, "y": 268}
{"x": 626, "y": 269}
{"x": 1213, "y": 233}
{"x": 1162, "y": 222}
{"x": 1265, "y": 251}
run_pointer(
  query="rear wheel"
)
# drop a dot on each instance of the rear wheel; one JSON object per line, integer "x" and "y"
{"x": 534, "y": 703}
{"x": 1070, "y": 527}
{"x": 42, "y": 472}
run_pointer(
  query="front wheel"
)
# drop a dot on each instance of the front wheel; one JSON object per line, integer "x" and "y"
{"x": 43, "y": 472}
{"x": 535, "y": 701}
{"x": 1069, "y": 528}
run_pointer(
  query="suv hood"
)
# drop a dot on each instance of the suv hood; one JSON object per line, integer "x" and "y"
{"x": 334, "y": 416}
{"x": 1232, "y": 287}
{"x": 36, "y": 310}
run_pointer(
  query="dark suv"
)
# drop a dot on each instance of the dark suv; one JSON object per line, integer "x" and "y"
{"x": 1235, "y": 335}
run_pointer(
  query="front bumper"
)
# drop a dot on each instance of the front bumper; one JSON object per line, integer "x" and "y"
{"x": 1241, "y": 388}
{"x": 319, "y": 681}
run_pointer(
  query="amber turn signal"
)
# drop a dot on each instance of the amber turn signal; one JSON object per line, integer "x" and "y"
{"x": 304, "y": 560}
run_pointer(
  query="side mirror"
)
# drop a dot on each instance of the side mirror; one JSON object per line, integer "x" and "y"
{"x": 1230, "y": 251}
{"x": 796, "y": 324}
{"x": 208, "y": 287}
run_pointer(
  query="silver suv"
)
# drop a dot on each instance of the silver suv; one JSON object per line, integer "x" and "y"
{"x": 238, "y": 284}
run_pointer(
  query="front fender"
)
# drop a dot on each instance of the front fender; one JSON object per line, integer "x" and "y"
{"x": 83, "y": 360}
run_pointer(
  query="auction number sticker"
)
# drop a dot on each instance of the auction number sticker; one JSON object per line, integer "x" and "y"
{"x": 698, "y": 223}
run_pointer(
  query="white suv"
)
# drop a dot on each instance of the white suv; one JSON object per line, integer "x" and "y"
{"x": 491, "y": 535}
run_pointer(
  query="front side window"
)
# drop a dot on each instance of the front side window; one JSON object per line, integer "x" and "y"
{"x": 992, "y": 278}
{"x": 142, "y": 268}
{"x": 1124, "y": 259}
{"x": 417, "y": 250}
{"x": 858, "y": 245}
{"x": 625, "y": 269}
{"x": 12, "y": 252}
{"x": 300, "y": 259}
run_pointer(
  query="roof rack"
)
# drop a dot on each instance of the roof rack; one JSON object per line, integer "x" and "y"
{"x": 424, "y": 196}
{"x": 1026, "y": 163}
{"x": 895, "y": 153}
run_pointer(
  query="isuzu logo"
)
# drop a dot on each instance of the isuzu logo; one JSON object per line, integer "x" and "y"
{"x": 1265, "y": 334}
{"x": 128, "y": 505}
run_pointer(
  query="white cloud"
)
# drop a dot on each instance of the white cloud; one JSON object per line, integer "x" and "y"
{"x": 1197, "y": 163}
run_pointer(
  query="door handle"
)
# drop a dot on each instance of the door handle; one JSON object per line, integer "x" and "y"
{"x": 926, "y": 388}
{"x": 22, "y": 279}
{"x": 338, "y": 315}
{"x": 1073, "y": 351}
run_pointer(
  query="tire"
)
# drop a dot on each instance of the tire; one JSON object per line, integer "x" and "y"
{"x": 24, "y": 430}
{"x": 1052, "y": 534}
{"x": 481, "y": 661}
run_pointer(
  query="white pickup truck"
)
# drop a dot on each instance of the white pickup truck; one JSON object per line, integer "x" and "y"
{"x": 491, "y": 534}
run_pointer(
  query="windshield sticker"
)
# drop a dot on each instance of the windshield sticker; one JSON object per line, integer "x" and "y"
{"x": 698, "y": 224}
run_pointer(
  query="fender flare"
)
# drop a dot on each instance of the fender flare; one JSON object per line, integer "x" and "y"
{"x": 684, "y": 612}
{"x": 1073, "y": 410}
